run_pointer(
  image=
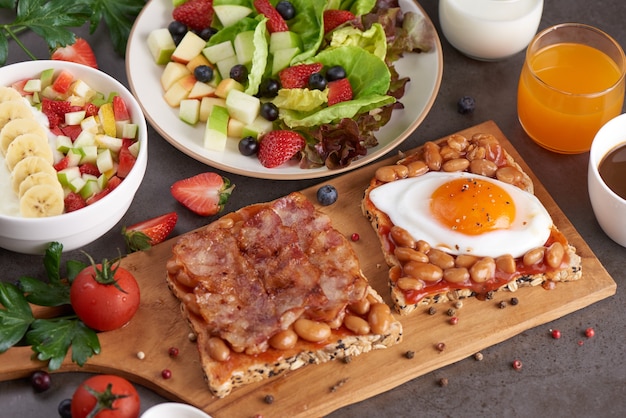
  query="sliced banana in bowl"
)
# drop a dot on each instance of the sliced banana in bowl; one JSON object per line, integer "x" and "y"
{"x": 27, "y": 145}
{"x": 9, "y": 93}
{"x": 26, "y": 167}
{"x": 14, "y": 109}
{"x": 42, "y": 200}
{"x": 17, "y": 127}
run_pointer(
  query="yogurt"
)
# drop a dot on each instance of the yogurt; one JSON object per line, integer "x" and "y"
{"x": 490, "y": 30}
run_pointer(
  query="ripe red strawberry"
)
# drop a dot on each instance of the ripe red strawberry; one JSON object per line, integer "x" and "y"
{"x": 126, "y": 160}
{"x": 74, "y": 201}
{"x": 297, "y": 76}
{"x": 195, "y": 14}
{"x": 91, "y": 110}
{"x": 275, "y": 22}
{"x": 112, "y": 183}
{"x": 62, "y": 164}
{"x": 72, "y": 131}
{"x": 339, "y": 91}
{"x": 120, "y": 110}
{"x": 79, "y": 52}
{"x": 278, "y": 147}
{"x": 55, "y": 111}
{"x": 334, "y": 18}
{"x": 89, "y": 168}
{"x": 204, "y": 194}
{"x": 142, "y": 235}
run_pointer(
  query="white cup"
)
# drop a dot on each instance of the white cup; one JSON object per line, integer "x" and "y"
{"x": 174, "y": 410}
{"x": 608, "y": 207}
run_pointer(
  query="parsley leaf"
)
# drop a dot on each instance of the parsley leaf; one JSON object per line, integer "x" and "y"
{"x": 16, "y": 318}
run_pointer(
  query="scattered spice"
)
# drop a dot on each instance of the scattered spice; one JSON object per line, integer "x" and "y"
{"x": 339, "y": 384}
{"x": 454, "y": 320}
{"x": 478, "y": 356}
{"x": 173, "y": 352}
{"x": 141, "y": 355}
{"x": 441, "y": 346}
{"x": 443, "y": 382}
{"x": 590, "y": 332}
{"x": 347, "y": 359}
{"x": 502, "y": 304}
{"x": 517, "y": 365}
{"x": 432, "y": 310}
{"x": 556, "y": 334}
{"x": 458, "y": 304}
{"x": 409, "y": 354}
{"x": 166, "y": 374}
{"x": 192, "y": 337}
{"x": 580, "y": 342}
{"x": 514, "y": 301}
{"x": 268, "y": 399}
{"x": 451, "y": 312}
{"x": 355, "y": 237}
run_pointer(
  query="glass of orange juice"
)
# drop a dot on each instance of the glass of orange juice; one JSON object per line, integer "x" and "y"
{"x": 571, "y": 84}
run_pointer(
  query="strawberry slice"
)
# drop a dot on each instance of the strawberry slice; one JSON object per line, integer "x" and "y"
{"x": 120, "y": 110}
{"x": 334, "y": 18}
{"x": 89, "y": 168}
{"x": 195, "y": 14}
{"x": 275, "y": 22}
{"x": 80, "y": 52}
{"x": 142, "y": 235}
{"x": 297, "y": 76}
{"x": 339, "y": 91}
{"x": 72, "y": 131}
{"x": 126, "y": 160}
{"x": 204, "y": 194}
{"x": 74, "y": 201}
{"x": 278, "y": 147}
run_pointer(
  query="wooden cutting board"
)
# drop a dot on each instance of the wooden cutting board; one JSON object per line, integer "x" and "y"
{"x": 316, "y": 390}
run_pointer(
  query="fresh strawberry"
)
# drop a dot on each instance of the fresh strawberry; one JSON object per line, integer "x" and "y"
{"x": 89, "y": 168}
{"x": 126, "y": 160}
{"x": 62, "y": 83}
{"x": 119, "y": 109}
{"x": 112, "y": 183}
{"x": 55, "y": 110}
{"x": 275, "y": 22}
{"x": 334, "y": 18}
{"x": 141, "y": 236}
{"x": 339, "y": 91}
{"x": 195, "y": 14}
{"x": 79, "y": 52}
{"x": 204, "y": 194}
{"x": 278, "y": 147}
{"x": 297, "y": 76}
{"x": 91, "y": 110}
{"x": 74, "y": 201}
{"x": 62, "y": 164}
{"x": 72, "y": 131}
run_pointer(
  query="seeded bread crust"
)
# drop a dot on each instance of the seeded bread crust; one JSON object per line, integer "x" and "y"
{"x": 381, "y": 222}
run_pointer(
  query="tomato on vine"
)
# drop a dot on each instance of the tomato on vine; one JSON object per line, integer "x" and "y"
{"x": 105, "y": 396}
{"x": 104, "y": 296}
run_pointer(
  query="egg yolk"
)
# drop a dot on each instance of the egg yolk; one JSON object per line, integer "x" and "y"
{"x": 472, "y": 206}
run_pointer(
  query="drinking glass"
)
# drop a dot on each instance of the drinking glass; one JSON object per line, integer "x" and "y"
{"x": 572, "y": 83}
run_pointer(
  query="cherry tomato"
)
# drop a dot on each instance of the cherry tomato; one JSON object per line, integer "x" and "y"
{"x": 105, "y": 396}
{"x": 105, "y": 296}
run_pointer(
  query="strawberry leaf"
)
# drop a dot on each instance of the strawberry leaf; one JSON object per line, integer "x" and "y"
{"x": 15, "y": 318}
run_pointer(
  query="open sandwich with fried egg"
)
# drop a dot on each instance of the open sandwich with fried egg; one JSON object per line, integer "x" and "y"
{"x": 273, "y": 287}
{"x": 458, "y": 218}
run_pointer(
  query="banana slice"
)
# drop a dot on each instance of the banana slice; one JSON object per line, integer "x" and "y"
{"x": 42, "y": 200}
{"x": 9, "y": 93}
{"x": 26, "y": 167}
{"x": 14, "y": 109}
{"x": 17, "y": 127}
{"x": 26, "y": 145}
{"x": 43, "y": 177}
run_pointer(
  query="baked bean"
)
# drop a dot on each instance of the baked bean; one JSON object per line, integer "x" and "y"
{"x": 390, "y": 173}
{"x": 457, "y": 142}
{"x": 356, "y": 324}
{"x": 431, "y": 156}
{"x": 440, "y": 258}
{"x": 191, "y": 303}
{"x": 483, "y": 270}
{"x": 533, "y": 256}
{"x": 312, "y": 331}
{"x": 416, "y": 168}
{"x": 483, "y": 139}
{"x": 475, "y": 153}
{"x": 506, "y": 263}
{"x": 404, "y": 254}
{"x": 448, "y": 153}
{"x": 284, "y": 339}
{"x": 554, "y": 255}
{"x": 337, "y": 321}
{"x": 361, "y": 307}
{"x": 465, "y": 260}
{"x": 509, "y": 175}
{"x": 423, "y": 271}
{"x": 218, "y": 350}
{"x": 379, "y": 318}
{"x": 409, "y": 283}
{"x": 401, "y": 237}
{"x": 456, "y": 275}
{"x": 422, "y": 246}
{"x": 455, "y": 165}
{"x": 394, "y": 274}
{"x": 483, "y": 167}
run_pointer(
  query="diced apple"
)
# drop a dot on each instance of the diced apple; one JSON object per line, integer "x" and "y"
{"x": 216, "y": 132}
{"x": 244, "y": 46}
{"x": 46, "y": 77}
{"x": 179, "y": 91}
{"x": 161, "y": 45}
{"x": 90, "y": 124}
{"x": 104, "y": 161}
{"x": 84, "y": 139}
{"x": 284, "y": 40}
{"x": 190, "y": 46}
{"x": 66, "y": 175}
{"x": 82, "y": 89}
{"x": 242, "y": 106}
{"x": 219, "y": 52}
{"x": 33, "y": 85}
{"x": 129, "y": 130}
{"x": 282, "y": 59}
{"x": 200, "y": 90}
{"x": 110, "y": 142}
{"x": 77, "y": 184}
{"x": 173, "y": 72}
{"x": 189, "y": 111}
{"x": 226, "y": 64}
{"x": 235, "y": 128}
{"x": 74, "y": 118}
{"x": 134, "y": 149}
{"x": 63, "y": 143}
{"x": 226, "y": 85}
{"x": 257, "y": 128}
{"x": 90, "y": 154}
{"x": 90, "y": 188}
{"x": 206, "y": 106}
{"x": 230, "y": 14}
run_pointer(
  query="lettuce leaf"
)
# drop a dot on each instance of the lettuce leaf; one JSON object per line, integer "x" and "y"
{"x": 309, "y": 25}
{"x": 372, "y": 40}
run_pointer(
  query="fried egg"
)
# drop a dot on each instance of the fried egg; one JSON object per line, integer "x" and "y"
{"x": 464, "y": 213}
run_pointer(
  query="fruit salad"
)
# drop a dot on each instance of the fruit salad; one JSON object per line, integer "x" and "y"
{"x": 64, "y": 145}
{"x": 289, "y": 79}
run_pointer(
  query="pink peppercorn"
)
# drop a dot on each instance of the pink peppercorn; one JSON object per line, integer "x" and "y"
{"x": 556, "y": 334}
{"x": 173, "y": 352}
{"x": 590, "y": 332}
{"x": 355, "y": 237}
{"x": 166, "y": 374}
{"x": 517, "y": 364}
{"x": 454, "y": 320}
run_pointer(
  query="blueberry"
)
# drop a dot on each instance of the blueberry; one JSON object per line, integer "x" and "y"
{"x": 285, "y": 9}
{"x": 269, "y": 88}
{"x": 206, "y": 33}
{"x": 317, "y": 81}
{"x": 65, "y": 408}
{"x": 40, "y": 381}
{"x": 239, "y": 73}
{"x": 465, "y": 105}
{"x": 177, "y": 28}
{"x": 203, "y": 73}
{"x": 248, "y": 146}
{"x": 327, "y": 195}
{"x": 336, "y": 72}
{"x": 269, "y": 111}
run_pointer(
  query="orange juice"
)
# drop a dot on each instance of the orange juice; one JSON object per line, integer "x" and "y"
{"x": 566, "y": 92}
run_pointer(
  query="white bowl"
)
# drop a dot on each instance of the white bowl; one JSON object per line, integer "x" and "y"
{"x": 174, "y": 410}
{"x": 608, "y": 207}
{"x": 81, "y": 227}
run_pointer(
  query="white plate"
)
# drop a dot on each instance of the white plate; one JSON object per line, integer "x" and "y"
{"x": 425, "y": 71}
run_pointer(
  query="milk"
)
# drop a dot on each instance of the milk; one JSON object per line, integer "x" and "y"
{"x": 490, "y": 29}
